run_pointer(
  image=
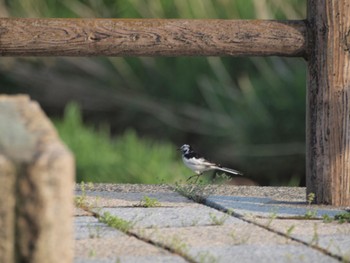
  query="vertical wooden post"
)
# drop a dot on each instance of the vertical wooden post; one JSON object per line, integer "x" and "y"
{"x": 328, "y": 102}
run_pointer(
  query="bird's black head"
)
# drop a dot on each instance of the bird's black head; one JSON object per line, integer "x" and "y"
{"x": 185, "y": 148}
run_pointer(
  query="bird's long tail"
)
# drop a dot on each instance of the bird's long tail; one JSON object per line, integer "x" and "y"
{"x": 228, "y": 170}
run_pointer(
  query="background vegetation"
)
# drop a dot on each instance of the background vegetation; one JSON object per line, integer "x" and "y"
{"x": 246, "y": 113}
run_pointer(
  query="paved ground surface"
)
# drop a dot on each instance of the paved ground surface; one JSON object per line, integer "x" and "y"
{"x": 155, "y": 223}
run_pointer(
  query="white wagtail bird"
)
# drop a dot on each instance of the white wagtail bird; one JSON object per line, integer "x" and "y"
{"x": 199, "y": 164}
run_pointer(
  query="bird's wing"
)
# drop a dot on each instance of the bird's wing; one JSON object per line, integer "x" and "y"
{"x": 201, "y": 161}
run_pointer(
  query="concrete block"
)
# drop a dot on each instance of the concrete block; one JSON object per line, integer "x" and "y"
{"x": 333, "y": 237}
{"x": 7, "y": 210}
{"x": 97, "y": 242}
{"x": 243, "y": 242}
{"x": 130, "y": 199}
{"x": 265, "y": 207}
{"x": 38, "y": 175}
{"x": 171, "y": 216}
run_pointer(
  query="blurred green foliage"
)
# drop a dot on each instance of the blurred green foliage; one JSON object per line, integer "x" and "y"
{"x": 246, "y": 113}
{"x": 125, "y": 159}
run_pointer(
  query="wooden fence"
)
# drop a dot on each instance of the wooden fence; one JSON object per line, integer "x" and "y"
{"x": 323, "y": 39}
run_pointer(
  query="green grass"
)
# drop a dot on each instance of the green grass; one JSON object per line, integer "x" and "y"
{"x": 148, "y": 202}
{"x": 248, "y": 113}
{"x": 343, "y": 217}
{"x": 218, "y": 220}
{"x": 124, "y": 159}
{"x": 116, "y": 222}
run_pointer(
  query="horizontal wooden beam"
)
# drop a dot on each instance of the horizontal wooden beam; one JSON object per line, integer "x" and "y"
{"x": 150, "y": 37}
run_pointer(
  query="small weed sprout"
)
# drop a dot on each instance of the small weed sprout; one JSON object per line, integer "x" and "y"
{"x": 195, "y": 222}
{"x": 315, "y": 238}
{"x": 343, "y": 217}
{"x": 310, "y": 198}
{"x": 148, "y": 202}
{"x": 289, "y": 257}
{"x": 94, "y": 232}
{"x": 294, "y": 257}
{"x": 290, "y": 230}
{"x": 179, "y": 246}
{"x": 196, "y": 192}
{"x": 310, "y": 213}
{"x": 232, "y": 234}
{"x": 90, "y": 186}
{"x": 327, "y": 219}
{"x": 301, "y": 257}
{"x": 97, "y": 207}
{"x": 237, "y": 240}
{"x": 92, "y": 253}
{"x": 116, "y": 222}
{"x": 346, "y": 256}
{"x": 216, "y": 220}
{"x": 174, "y": 244}
{"x": 272, "y": 216}
{"x": 206, "y": 257}
{"x": 80, "y": 200}
{"x": 230, "y": 212}
{"x": 336, "y": 246}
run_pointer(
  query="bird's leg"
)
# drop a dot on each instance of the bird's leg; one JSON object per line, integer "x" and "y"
{"x": 197, "y": 174}
{"x": 189, "y": 178}
{"x": 194, "y": 185}
{"x": 197, "y": 178}
{"x": 213, "y": 177}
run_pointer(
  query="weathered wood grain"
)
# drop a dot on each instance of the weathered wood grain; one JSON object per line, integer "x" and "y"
{"x": 150, "y": 37}
{"x": 328, "y": 116}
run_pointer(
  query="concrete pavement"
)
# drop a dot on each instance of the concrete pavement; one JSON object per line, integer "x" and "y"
{"x": 155, "y": 223}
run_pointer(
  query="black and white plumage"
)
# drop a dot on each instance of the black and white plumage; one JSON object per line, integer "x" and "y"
{"x": 199, "y": 164}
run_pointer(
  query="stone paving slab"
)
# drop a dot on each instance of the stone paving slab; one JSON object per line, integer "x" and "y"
{"x": 281, "y": 193}
{"x": 288, "y": 217}
{"x": 180, "y": 230}
{"x": 130, "y": 199}
{"x": 96, "y": 242}
{"x": 267, "y": 207}
{"x": 333, "y": 236}
{"x": 241, "y": 242}
{"x": 267, "y": 201}
{"x": 128, "y": 188}
{"x": 171, "y": 217}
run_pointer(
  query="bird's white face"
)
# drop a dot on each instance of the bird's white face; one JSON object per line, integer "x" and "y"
{"x": 185, "y": 148}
